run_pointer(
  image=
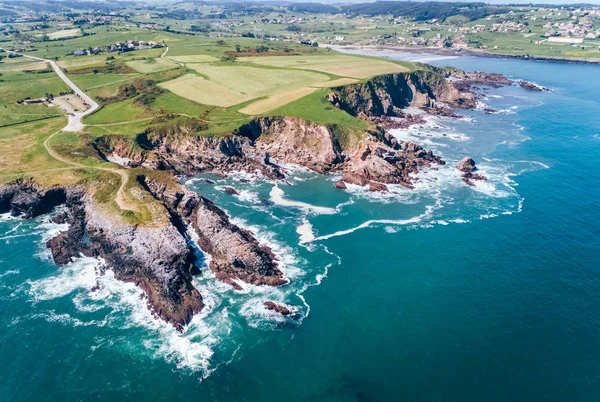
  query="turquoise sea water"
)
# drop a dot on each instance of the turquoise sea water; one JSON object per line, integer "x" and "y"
{"x": 443, "y": 293}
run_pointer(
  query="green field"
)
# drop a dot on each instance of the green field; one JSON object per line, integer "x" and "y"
{"x": 151, "y": 65}
{"x": 337, "y": 64}
{"x": 231, "y": 85}
{"x": 204, "y": 82}
{"x": 18, "y": 85}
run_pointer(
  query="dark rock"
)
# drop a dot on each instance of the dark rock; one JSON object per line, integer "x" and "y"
{"x": 231, "y": 190}
{"x": 531, "y": 86}
{"x": 281, "y": 309}
{"x": 467, "y": 166}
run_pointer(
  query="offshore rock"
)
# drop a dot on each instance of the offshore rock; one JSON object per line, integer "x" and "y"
{"x": 281, "y": 309}
{"x": 468, "y": 167}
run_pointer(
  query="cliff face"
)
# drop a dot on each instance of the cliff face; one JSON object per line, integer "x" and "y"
{"x": 387, "y": 95}
{"x": 295, "y": 141}
{"x": 235, "y": 253}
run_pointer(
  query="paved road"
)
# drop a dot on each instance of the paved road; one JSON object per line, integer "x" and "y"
{"x": 75, "y": 123}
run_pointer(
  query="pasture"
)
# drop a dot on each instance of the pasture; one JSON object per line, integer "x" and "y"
{"x": 147, "y": 66}
{"x": 231, "y": 85}
{"x": 197, "y": 58}
{"x": 275, "y": 101}
{"x": 336, "y": 64}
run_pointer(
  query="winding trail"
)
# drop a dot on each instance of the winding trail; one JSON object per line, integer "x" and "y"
{"x": 120, "y": 198}
{"x": 75, "y": 125}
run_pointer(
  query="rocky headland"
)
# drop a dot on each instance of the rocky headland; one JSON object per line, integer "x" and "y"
{"x": 160, "y": 257}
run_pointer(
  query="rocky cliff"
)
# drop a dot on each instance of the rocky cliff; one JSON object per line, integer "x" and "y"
{"x": 387, "y": 95}
{"x": 157, "y": 258}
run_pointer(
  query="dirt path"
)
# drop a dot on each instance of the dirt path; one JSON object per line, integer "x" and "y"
{"x": 120, "y": 198}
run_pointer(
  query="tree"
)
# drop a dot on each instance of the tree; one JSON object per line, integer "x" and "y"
{"x": 238, "y": 48}
{"x": 221, "y": 42}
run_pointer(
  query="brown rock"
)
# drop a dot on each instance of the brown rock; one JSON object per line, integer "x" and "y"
{"x": 373, "y": 186}
{"x": 281, "y": 309}
{"x": 231, "y": 190}
{"x": 340, "y": 184}
{"x": 467, "y": 164}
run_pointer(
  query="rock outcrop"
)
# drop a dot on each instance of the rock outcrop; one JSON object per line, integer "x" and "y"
{"x": 294, "y": 140}
{"x": 29, "y": 199}
{"x": 532, "y": 86}
{"x": 235, "y": 253}
{"x": 387, "y": 95}
{"x": 467, "y": 166}
{"x": 157, "y": 258}
{"x": 279, "y": 308}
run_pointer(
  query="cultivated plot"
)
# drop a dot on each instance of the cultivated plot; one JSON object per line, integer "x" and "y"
{"x": 147, "y": 66}
{"x": 197, "y": 58}
{"x": 342, "y": 65}
{"x": 275, "y": 101}
{"x": 232, "y": 85}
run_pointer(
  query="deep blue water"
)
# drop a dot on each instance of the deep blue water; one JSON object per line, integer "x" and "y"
{"x": 443, "y": 293}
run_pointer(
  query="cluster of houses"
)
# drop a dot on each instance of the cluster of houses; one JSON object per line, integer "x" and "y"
{"x": 575, "y": 29}
{"x": 131, "y": 45}
{"x": 119, "y": 47}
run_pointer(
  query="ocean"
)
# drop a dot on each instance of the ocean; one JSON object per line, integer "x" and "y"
{"x": 442, "y": 293}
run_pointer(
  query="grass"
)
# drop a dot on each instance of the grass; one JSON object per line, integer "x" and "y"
{"x": 125, "y": 129}
{"x": 93, "y": 81}
{"x": 151, "y": 65}
{"x": 317, "y": 109}
{"x": 275, "y": 101}
{"x": 195, "y": 58}
{"x": 230, "y": 85}
{"x": 338, "y": 64}
{"x": 17, "y": 85}
{"x": 22, "y": 147}
{"x": 117, "y": 112}
{"x": 199, "y": 90}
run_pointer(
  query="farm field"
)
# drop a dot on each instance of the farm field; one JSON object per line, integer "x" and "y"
{"x": 231, "y": 85}
{"x": 151, "y": 65}
{"x": 340, "y": 65}
{"x": 198, "y": 58}
{"x": 66, "y": 33}
{"x": 277, "y": 100}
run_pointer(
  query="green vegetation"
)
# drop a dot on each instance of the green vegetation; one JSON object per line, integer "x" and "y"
{"x": 316, "y": 108}
{"x": 201, "y": 86}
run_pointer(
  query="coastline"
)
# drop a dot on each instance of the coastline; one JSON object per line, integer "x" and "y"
{"x": 462, "y": 52}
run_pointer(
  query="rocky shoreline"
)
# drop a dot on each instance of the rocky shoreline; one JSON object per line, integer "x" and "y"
{"x": 160, "y": 257}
